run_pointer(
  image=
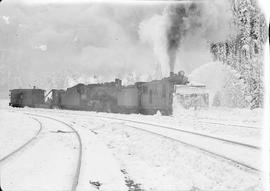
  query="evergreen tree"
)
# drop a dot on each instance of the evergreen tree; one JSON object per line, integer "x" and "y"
{"x": 244, "y": 51}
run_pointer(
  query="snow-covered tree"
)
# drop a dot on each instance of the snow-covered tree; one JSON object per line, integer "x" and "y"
{"x": 244, "y": 51}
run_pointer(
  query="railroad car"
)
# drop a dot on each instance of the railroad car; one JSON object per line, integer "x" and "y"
{"x": 71, "y": 98}
{"x": 129, "y": 99}
{"x": 26, "y": 97}
{"x": 100, "y": 97}
{"x": 142, "y": 97}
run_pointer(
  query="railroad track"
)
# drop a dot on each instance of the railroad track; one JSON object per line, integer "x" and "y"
{"x": 173, "y": 136}
{"x": 6, "y": 157}
{"x": 201, "y": 120}
{"x": 237, "y": 163}
{"x": 78, "y": 166}
{"x": 231, "y": 125}
{"x": 182, "y": 130}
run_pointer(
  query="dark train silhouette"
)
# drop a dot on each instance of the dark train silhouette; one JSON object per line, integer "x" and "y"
{"x": 141, "y": 97}
{"x": 26, "y": 97}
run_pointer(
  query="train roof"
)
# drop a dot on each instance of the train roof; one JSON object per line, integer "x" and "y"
{"x": 172, "y": 79}
{"x": 14, "y": 90}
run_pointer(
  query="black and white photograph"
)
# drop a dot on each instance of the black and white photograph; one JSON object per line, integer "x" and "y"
{"x": 134, "y": 95}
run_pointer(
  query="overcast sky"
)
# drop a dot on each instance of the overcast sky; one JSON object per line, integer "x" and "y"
{"x": 41, "y": 43}
{"x": 93, "y": 38}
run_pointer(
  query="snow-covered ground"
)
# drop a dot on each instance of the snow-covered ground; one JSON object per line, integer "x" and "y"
{"x": 15, "y": 130}
{"x": 118, "y": 157}
{"x": 160, "y": 164}
{"x": 213, "y": 122}
{"x": 48, "y": 163}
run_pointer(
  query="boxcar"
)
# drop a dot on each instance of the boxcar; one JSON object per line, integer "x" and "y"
{"x": 26, "y": 97}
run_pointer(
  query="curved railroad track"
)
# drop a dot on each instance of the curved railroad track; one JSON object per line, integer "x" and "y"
{"x": 181, "y": 130}
{"x": 78, "y": 166}
{"x": 185, "y": 131}
{"x": 6, "y": 157}
{"x": 199, "y": 120}
{"x": 232, "y": 161}
{"x": 237, "y": 163}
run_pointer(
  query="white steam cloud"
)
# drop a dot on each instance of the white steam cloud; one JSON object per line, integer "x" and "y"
{"x": 195, "y": 26}
{"x": 44, "y": 45}
{"x": 153, "y": 32}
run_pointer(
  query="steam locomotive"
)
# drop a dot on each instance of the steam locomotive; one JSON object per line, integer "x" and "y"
{"x": 141, "y": 97}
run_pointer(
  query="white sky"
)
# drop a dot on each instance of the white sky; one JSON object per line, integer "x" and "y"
{"x": 84, "y": 40}
{"x": 102, "y": 1}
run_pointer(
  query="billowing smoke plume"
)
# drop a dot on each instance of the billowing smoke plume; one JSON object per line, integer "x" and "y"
{"x": 175, "y": 31}
{"x": 181, "y": 35}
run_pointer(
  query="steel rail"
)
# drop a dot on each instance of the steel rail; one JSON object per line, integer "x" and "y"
{"x": 23, "y": 145}
{"x": 233, "y": 125}
{"x": 78, "y": 167}
{"x": 243, "y": 165}
{"x": 199, "y": 120}
{"x": 175, "y": 129}
{"x": 185, "y": 131}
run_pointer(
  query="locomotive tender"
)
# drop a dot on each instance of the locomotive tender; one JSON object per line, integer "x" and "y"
{"x": 141, "y": 97}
